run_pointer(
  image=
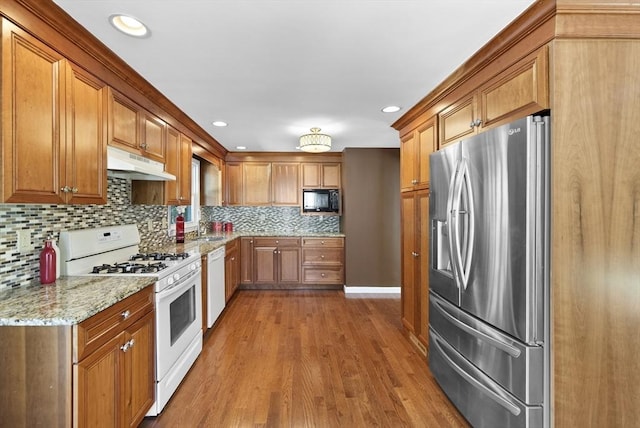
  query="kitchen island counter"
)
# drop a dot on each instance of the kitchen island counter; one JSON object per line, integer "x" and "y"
{"x": 68, "y": 301}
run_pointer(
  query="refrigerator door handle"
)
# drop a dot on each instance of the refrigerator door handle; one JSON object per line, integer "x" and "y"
{"x": 502, "y": 401}
{"x": 466, "y": 180}
{"x": 513, "y": 351}
{"x": 451, "y": 209}
{"x": 456, "y": 198}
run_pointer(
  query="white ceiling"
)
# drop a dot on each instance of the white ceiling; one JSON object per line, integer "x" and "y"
{"x": 273, "y": 69}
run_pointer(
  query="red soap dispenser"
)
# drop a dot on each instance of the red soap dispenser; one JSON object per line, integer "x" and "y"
{"x": 180, "y": 229}
{"x": 47, "y": 263}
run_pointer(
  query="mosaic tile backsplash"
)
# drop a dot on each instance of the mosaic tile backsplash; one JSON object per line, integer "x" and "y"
{"x": 41, "y": 221}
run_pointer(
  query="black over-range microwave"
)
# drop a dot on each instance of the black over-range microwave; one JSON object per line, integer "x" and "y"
{"x": 320, "y": 201}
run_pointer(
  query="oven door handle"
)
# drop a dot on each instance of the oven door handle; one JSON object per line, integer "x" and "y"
{"x": 175, "y": 288}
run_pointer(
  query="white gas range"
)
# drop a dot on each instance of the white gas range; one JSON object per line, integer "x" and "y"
{"x": 115, "y": 251}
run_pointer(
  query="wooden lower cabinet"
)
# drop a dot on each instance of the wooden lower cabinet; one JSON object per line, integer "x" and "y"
{"x": 323, "y": 261}
{"x": 114, "y": 375}
{"x": 276, "y": 260}
{"x": 231, "y": 268}
{"x": 415, "y": 269}
{"x": 291, "y": 262}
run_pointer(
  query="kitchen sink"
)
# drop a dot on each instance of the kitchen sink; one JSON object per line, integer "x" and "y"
{"x": 211, "y": 238}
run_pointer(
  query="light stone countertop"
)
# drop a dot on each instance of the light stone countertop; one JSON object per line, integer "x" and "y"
{"x": 68, "y": 301}
{"x": 71, "y": 300}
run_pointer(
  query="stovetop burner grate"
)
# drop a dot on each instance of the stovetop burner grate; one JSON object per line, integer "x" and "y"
{"x": 160, "y": 256}
{"x": 129, "y": 267}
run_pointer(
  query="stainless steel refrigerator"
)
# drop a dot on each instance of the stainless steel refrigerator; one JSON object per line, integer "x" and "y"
{"x": 488, "y": 273}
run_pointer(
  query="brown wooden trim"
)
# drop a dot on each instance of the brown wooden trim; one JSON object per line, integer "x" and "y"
{"x": 48, "y": 22}
{"x": 282, "y": 157}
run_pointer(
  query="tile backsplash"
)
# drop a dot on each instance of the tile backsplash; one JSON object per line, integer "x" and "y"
{"x": 41, "y": 221}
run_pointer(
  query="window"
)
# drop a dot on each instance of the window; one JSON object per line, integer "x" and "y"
{"x": 191, "y": 213}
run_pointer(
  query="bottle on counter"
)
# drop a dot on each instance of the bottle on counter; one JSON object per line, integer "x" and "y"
{"x": 180, "y": 229}
{"x": 58, "y": 258}
{"x": 47, "y": 263}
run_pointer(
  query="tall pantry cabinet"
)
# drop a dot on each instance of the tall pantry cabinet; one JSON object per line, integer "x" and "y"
{"x": 580, "y": 60}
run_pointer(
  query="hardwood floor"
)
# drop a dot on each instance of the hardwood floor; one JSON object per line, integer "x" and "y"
{"x": 308, "y": 359}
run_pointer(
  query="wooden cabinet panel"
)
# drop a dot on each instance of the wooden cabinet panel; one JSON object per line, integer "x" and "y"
{"x": 323, "y": 242}
{"x": 457, "y": 121}
{"x": 93, "y": 332}
{"x": 321, "y": 256}
{"x": 231, "y": 268}
{"x": 311, "y": 175}
{"x": 233, "y": 183}
{"x": 178, "y": 163}
{"x": 256, "y": 183}
{"x": 318, "y": 175}
{"x": 408, "y": 161}
{"x": 97, "y": 386}
{"x": 414, "y": 259}
{"x": 124, "y": 130}
{"x": 323, "y": 261}
{"x": 520, "y": 90}
{"x": 53, "y": 133}
{"x": 139, "y": 367}
{"x": 246, "y": 260}
{"x": 408, "y": 291}
{"x": 285, "y": 183}
{"x": 172, "y": 166}
{"x": 289, "y": 265}
{"x": 134, "y": 129}
{"x": 114, "y": 380}
{"x": 86, "y": 137}
{"x": 264, "y": 262}
{"x": 323, "y": 275}
{"x": 152, "y": 136}
{"x": 415, "y": 149}
{"x": 331, "y": 175}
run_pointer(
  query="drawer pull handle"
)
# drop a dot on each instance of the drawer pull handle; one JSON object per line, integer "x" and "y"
{"x": 322, "y": 256}
{"x": 127, "y": 345}
{"x": 126, "y": 314}
{"x": 322, "y": 275}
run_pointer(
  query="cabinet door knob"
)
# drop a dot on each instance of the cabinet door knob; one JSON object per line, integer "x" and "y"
{"x": 65, "y": 189}
{"x": 472, "y": 124}
{"x": 126, "y": 314}
{"x": 143, "y": 146}
{"x": 322, "y": 275}
{"x": 322, "y": 256}
{"x": 74, "y": 190}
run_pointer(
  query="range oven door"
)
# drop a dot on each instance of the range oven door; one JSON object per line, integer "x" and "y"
{"x": 178, "y": 320}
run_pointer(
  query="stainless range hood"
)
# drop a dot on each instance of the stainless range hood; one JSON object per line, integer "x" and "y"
{"x": 122, "y": 164}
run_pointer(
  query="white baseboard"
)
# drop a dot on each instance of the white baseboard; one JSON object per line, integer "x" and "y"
{"x": 371, "y": 290}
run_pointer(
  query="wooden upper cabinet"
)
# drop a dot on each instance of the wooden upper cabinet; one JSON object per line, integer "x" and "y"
{"x": 233, "y": 183}
{"x": 285, "y": 177}
{"x": 152, "y": 136}
{"x": 415, "y": 149}
{"x": 256, "y": 183}
{"x": 519, "y": 90}
{"x": 458, "y": 120}
{"x": 53, "y": 129}
{"x": 134, "y": 129}
{"x": 317, "y": 175}
{"x": 184, "y": 177}
{"x": 178, "y": 163}
{"x": 86, "y": 138}
{"x": 124, "y": 129}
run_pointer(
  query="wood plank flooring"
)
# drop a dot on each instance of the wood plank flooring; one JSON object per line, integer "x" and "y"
{"x": 308, "y": 359}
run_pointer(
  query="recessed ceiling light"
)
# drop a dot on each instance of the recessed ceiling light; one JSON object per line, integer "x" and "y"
{"x": 129, "y": 25}
{"x": 391, "y": 109}
{"x": 241, "y": 147}
{"x": 219, "y": 123}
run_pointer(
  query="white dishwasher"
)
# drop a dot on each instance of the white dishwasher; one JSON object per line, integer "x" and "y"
{"x": 215, "y": 285}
